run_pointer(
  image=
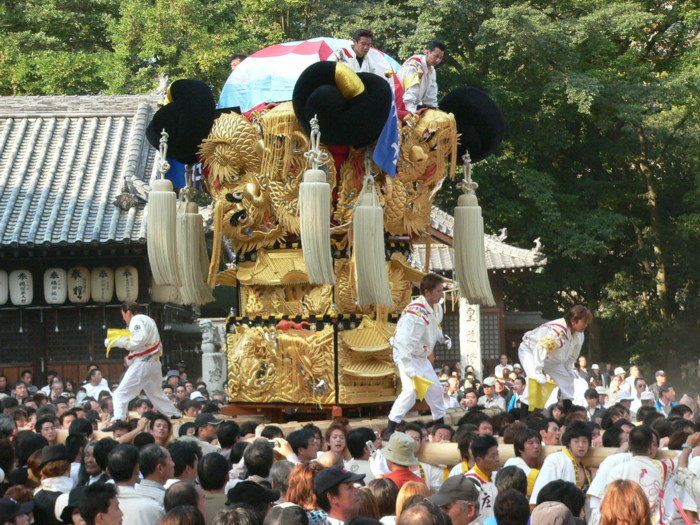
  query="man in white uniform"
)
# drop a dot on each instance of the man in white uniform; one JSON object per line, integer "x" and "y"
{"x": 143, "y": 361}
{"x": 358, "y": 56}
{"x": 417, "y": 76}
{"x": 416, "y": 333}
{"x": 552, "y": 348}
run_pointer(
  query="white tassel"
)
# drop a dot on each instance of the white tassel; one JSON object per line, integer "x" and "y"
{"x": 315, "y": 214}
{"x": 371, "y": 274}
{"x": 160, "y": 234}
{"x": 315, "y": 219}
{"x": 470, "y": 253}
{"x": 192, "y": 252}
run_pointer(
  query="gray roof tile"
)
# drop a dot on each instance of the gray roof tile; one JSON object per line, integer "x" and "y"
{"x": 62, "y": 163}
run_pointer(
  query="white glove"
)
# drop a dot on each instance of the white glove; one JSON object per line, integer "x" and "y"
{"x": 410, "y": 373}
{"x": 540, "y": 378}
{"x": 574, "y": 373}
{"x": 106, "y": 343}
{"x": 448, "y": 342}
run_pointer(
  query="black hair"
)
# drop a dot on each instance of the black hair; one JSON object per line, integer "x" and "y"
{"x": 184, "y": 453}
{"x": 511, "y": 477}
{"x": 481, "y": 446}
{"x": 564, "y": 492}
{"x": 359, "y": 33}
{"x": 96, "y": 500}
{"x": 271, "y": 432}
{"x": 81, "y": 426}
{"x": 521, "y": 437}
{"x": 150, "y": 456}
{"x": 299, "y": 439}
{"x": 577, "y": 429}
{"x": 212, "y": 471}
{"x": 641, "y": 439}
{"x": 357, "y": 440}
{"x": 74, "y": 443}
{"x": 436, "y": 44}
{"x": 101, "y": 451}
{"x": 122, "y": 461}
{"x": 612, "y": 437}
{"x": 228, "y": 433}
{"x": 248, "y": 427}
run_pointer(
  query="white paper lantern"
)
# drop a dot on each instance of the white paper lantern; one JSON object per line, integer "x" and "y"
{"x": 55, "y": 286}
{"x": 79, "y": 285}
{"x": 4, "y": 287}
{"x": 126, "y": 282}
{"x": 21, "y": 287}
{"x": 102, "y": 284}
{"x": 165, "y": 293}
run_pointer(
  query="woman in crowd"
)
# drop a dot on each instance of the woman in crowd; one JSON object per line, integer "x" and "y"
{"x": 337, "y": 438}
{"x": 624, "y": 504}
{"x": 301, "y": 491}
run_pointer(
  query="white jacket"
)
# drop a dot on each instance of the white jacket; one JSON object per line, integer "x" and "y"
{"x": 143, "y": 342}
{"x": 419, "y": 82}
{"x": 416, "y": 333}
{"x": 553, "y": 341}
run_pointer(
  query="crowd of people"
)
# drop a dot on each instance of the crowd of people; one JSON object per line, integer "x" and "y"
{"x": 65, "y": 461}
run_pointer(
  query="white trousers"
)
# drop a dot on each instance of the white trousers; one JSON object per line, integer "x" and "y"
{"x": 146, "y": 376}
{"x": 407, "y": 397}
{"x": 556, "y": 370}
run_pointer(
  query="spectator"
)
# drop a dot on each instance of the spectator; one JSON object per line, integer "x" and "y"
{"x": 661, "y": 379}
{"x": 161, "y": 428}
{"x": 286, "y": 515}
{"x": 491, "y": 399}
{"x": 240, "y": 514}
{"x": 185, "y": 456}
{"x": 511, "y": 508}
{"x": 205, "y": 427}
{"x": 425, "y": 513}
{"x": 100, "y": 506}
{"x": 627, "y": 495}
{"x": 511, "y": 478}
{"x": 301, "y": 491}
{"x": 184, "y": 493}
{"x": 459, "y": 498}
{"x": 55, "y": 480}
{"x": 303, "y": 445}
{"x": 408, "y": 493}
{"x": 367, "y": 505}
{"x": 549, "y": 431}
{"x": 213, "y": 475}
{"x": 75, "y": 445}
{"x": 336, "y": 493}
{"x": 337, "y": 437}
{"x": 253, "y": 494}
{"x": 12, "y": 512}
{"x": 385, "y": 493}
{"x": 564, "y": 492}
{"x": 400, "y": 455}
{"x": 552, "y": 513}
{"x": 228, "y": 435}
{"x": 279, "y": 477}
{"x": 359, "y": 442}
{"x": 123, "y": 466}
{"x": 183, "y": 515}
{"x": 70, "y": 503}
{"x": 666, "y": 400}
{"x": 236, "y": 60}
{"x": 156, "y": 467}
{"x": 258, "y": 458}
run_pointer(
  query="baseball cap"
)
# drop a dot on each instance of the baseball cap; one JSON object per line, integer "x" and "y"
{"x": 9, "y": 508}
{"x": 454, "y": 488}
{"x": 335, "y": 475}
{"x": 400, "y": 450}
{"x": 647, "y": 396}
{"x": 517, "y": 365}
{"x": 489, "y": 381}
{"x": 594, "y": 366}
{"x": 172, "y": 373}
{"x": 659, "y": 373}
{"x": 624, "y": 395}
{"x": 552, "y": 513}
{"x": 619, "y": 371}
{"x": 206, "y": 418}
{"x": 251, "y": 493}
{"x": 197, "y": 395}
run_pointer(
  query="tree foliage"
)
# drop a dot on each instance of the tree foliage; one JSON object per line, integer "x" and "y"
{"x": 601, "y": 101}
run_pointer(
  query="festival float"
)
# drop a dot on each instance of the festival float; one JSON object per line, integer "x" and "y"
{"x": 321, "y": 182}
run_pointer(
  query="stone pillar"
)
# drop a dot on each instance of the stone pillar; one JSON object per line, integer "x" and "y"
{"x": 470, "y": 337}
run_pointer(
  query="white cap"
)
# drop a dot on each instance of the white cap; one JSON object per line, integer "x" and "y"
{"x": 601, "y": 391}
{"x": 647, "y": 396}
{"x": 619, "y": 371}
{"x": 594, "y": 366}
{"x": 624, "y": 395}
{"x": 517, "y": 365}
